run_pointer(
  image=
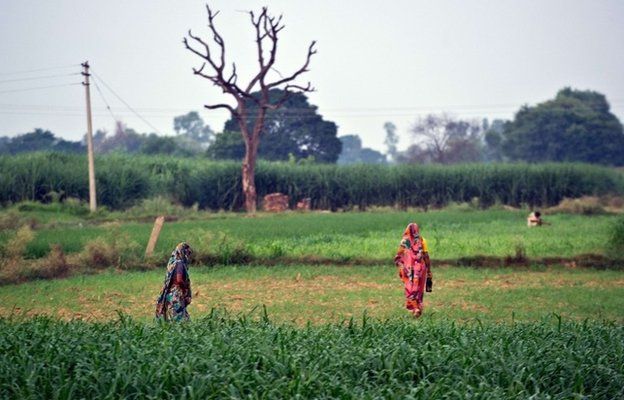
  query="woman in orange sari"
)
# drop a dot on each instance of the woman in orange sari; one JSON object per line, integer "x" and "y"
{"x": 414, "y": 265}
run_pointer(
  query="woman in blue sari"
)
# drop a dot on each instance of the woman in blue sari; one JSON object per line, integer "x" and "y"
{"x": 176, "y": 295}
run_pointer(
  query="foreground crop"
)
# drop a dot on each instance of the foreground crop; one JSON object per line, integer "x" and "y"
{"x": 222, "y": 357}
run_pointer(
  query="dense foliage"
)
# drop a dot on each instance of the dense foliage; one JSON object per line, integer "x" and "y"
{"x": 575, "y": 126}
{"x": 354, "y": 153}
{"x": 295, "y": 128}
{"x": 39, "y": 140}
{"x": 616, "y": 239}
{"x": 122, "y": 180}
{"x": 222, "y": 357}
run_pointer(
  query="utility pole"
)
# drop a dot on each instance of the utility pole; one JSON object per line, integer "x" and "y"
{"x": 92, "y": 196}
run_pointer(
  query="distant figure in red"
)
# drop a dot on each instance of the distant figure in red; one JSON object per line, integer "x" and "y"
{"x": 414, "y": 265}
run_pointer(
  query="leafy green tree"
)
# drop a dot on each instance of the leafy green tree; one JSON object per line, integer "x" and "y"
{"x": 353, "y": 152}
{"x": 295, "y": 128}
{"x": 125, "y": 140}
{"x": 99, "y": 137}
{"x": 4, "y": 142}
{"x": 391, "y": 141}
{"x": 227, "y": 146}
{"x": 575, "y": 126}
{"x": 192, "y": 126}
{"x": 493, "y": 138}
{"x": 351, "y": 148}
{"x": 370, "y": 156}
{"x": 40, "y": 140}
{"x": 154, "y": 144}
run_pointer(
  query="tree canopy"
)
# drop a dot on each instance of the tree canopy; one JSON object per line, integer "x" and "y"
{"x": 575, "y": 126}
{"x": 295, "y": 128}
{"x": 39, "y": 140}
{"x": 443, "y": 139}
{"x": 391, "y": 141}
{"x": 353, "y": 152}
{"x": 192, "y": 127}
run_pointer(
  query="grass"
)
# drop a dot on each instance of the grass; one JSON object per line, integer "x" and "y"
{"x": 224, "y": 357}
{"x": 324, "y": 294}
{"x": 325, "y": 331}
{"x": 450, "y": 234}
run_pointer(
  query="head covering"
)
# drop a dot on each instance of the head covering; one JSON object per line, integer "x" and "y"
{"x": 411, "y": 235}
{"x": 182, "y": 252}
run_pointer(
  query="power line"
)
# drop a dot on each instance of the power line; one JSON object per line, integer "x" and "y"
{"x": 298, "y": 111}
{"x": 126, "y": 104}
{"x": 347, "y": 113}
{"x": 38, "y": 77}
{"x": 104, "y": 100}
{"x": 38, "y": 70}
{"x": 268, "y": 119}
{"x": 38, "y": 87}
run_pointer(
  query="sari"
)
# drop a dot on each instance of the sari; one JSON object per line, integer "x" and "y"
{"x": 176, "y": 295}
{"x": 412, "y": 260}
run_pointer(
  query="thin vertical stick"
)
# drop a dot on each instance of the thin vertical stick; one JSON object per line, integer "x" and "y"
{"x": 151, "y": 245}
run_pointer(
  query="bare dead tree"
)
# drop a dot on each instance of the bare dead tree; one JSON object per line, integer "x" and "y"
{"x": 432, "y": 129}
{"x": 446, "y": 140}
{"x": 267, "y": 29}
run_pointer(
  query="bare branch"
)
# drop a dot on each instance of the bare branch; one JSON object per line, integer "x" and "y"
{"x": 227, "y": 85}
{"x": 308, "y": 88}
{"x": 215, "y": 35}
{"x": 206, "y": 56}
{"x": 287, "y": 92}
{"x": 214, "y": 79}
{"x": 232, "y": 79}
{"x": 259, "y": 38}
{"x": 277, "y": 72}
{"x": 217, "y": 106}
{"x": 304, "y": 68}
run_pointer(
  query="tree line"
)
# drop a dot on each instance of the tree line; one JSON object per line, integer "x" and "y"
{"x": 575, "y": 126}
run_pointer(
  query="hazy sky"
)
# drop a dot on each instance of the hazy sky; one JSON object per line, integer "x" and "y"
{"x": 377, "y": 61}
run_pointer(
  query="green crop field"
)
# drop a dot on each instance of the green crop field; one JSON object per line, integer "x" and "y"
{"x": 372, "y": 235}
{"x": 278, "y": 323}
{"x": 218, "y": 357}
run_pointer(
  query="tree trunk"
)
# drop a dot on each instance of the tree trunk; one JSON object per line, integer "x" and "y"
{"x": 249, "y": 180}
{"x": 252, "y": 140}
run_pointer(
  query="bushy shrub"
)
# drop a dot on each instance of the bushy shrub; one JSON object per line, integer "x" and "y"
{"x": 10, "y": 220}
{"x": 15, "y": 247}
{"x": 616, "y": 237}
{"x": 586, "y": 205}
{"x": 113, "y": 250}
{"x": 54, "y": 265}
{"x": 156, "y": 206}
{"x": 212, "y": 248}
